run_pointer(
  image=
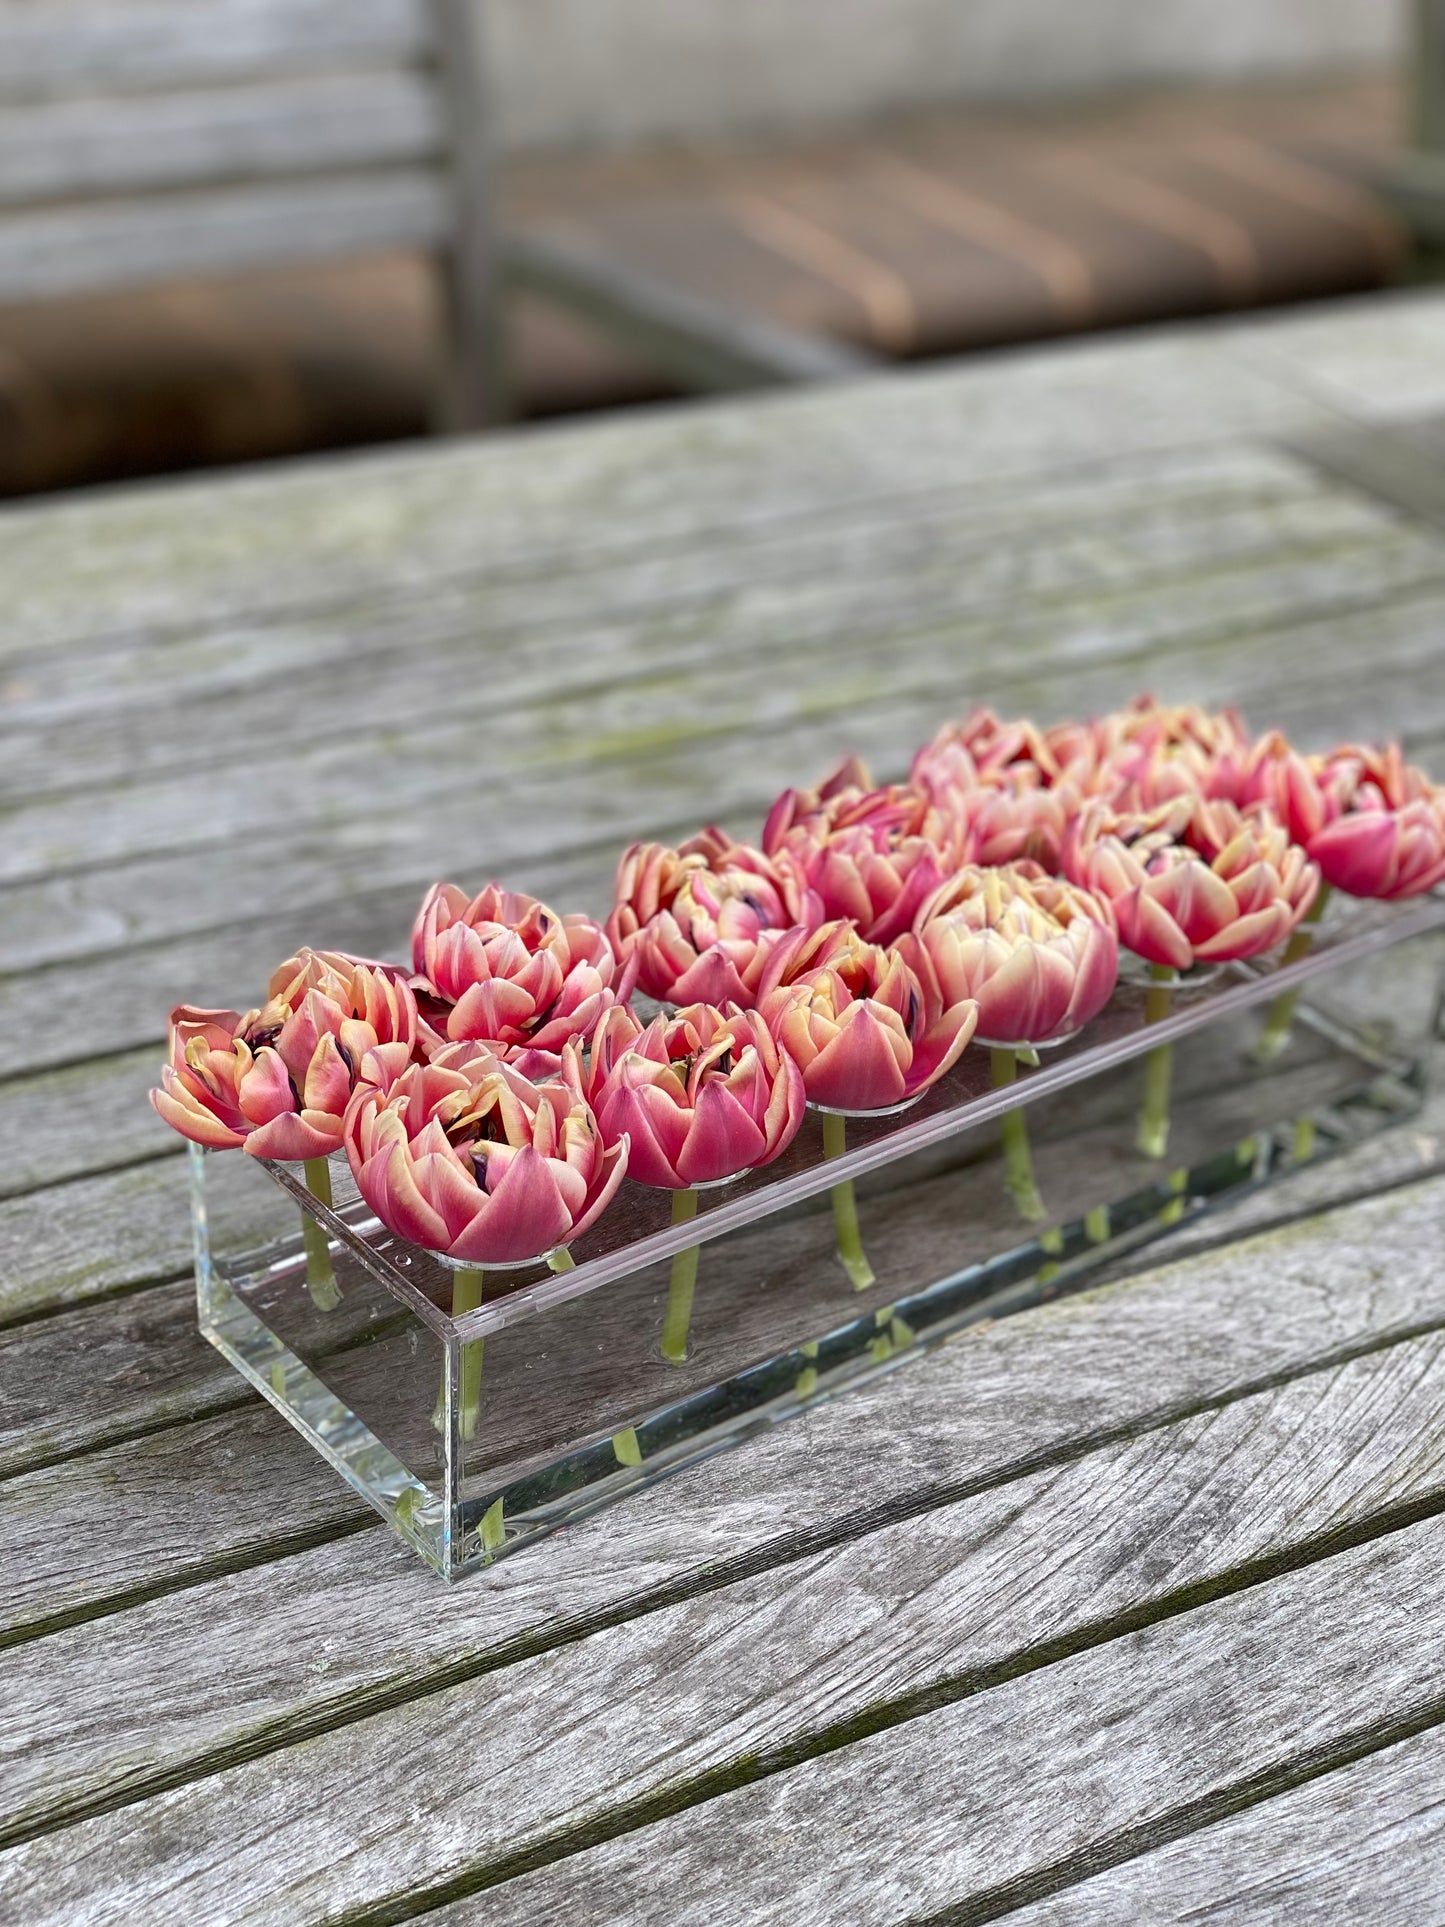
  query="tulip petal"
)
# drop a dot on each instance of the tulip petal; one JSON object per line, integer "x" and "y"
{"x": 722, "y": 1139}
{"x": 522, "y": 1218}
{"x": 861, "y": 1068}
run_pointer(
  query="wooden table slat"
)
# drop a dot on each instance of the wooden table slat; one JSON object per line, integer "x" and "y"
{"x": 1021, "y": 1791}
{"x": 1034, "y": 1392}
{"x": 954, "y": 1600}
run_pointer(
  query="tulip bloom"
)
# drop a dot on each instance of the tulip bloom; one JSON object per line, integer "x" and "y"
{"x": 1008, "y": 788}
{"x": 469, "y": 1159}
{"x": 879, "y": 890}
{"x": 869, "y": 1028}
{"x": 1243, "y": 889}
{"x": 701, "y": 1096}
{"x": 1016, "y": 820}
{"x": 1374, "y": 824}
{"x": 982, "y": 750}
{"x": 693, "y": 924}
{"x": 502, "y": 968}
{"x": 849, "y": 806}
{"x": 1151, "y": 753}
{"x": 1175, "y": 906}
{"x": 1039, "y": 956}
{"x": 276, "y": 1082}
{"x": 870, "y": 1032}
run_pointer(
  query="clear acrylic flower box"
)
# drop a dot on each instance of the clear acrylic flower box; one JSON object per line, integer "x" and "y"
{"x": 476, "y": 1433}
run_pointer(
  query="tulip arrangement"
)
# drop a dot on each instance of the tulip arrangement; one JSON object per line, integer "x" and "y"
{"x": 492, "y": 1096}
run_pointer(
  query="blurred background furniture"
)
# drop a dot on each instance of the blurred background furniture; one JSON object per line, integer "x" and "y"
{"x": 688, "y": 197}
{"x": 144, "y": 143}
{"x": 1415, "y": 179}
{"x": 149, "y": 142}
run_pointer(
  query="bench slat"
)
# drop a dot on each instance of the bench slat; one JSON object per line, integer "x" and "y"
{"x": 109, "y": 148}
{"x": 84, "y": 248}
{"x": 53, "y": 47}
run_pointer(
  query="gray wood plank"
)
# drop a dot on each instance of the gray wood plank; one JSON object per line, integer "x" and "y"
{"x": 78, "y": 249}
{"x": 597, "y": 583}
{"x": 115, "y": 1370}
{"x": 1018, "y": 1791}
{"x": 61, "y": 46}
{"x": 194, "y": 554}
{"x": 46, "y": 1133}
{"x": 104, "y": 148}
{"x": 151, "y": 557}
{"x": 313, "y": 1640}
{"x": 883, "y": 703}
{"x": 520, "y": 643}
{"x": 1370, "y": 359}
{"x": 170, "y": 1508}
{"x": 93, "y": 1237}
{"x": 946, "y": 1605}
{"x": 1364, "y": 1842}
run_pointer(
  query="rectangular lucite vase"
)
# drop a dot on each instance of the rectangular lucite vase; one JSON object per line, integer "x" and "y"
{"x": 477, "y": 1419}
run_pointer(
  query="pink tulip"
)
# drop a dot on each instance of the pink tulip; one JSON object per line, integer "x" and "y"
{"x": 695, "y": 923}
{"x": 816, "y": 811}
{"x": 1373, "y": 823}
{"x": 849, "y": 876}
{"x": 701, "y": 1095}
{"x": 1008, "y": 789}
{"x": 276, "y": 1081}
{"x": 1151, "y": 753}
{"x": 1239, "y": 894}
{"x": 981, "y": 751}
{"x": 467, "y": 1158}
{"x": 869, "y": 1028}
{"x": 848, "y": 808}
{"x": 504, "y": 969}
{"x": 1038, "y": 955}
{"x": 1017, "y": 820}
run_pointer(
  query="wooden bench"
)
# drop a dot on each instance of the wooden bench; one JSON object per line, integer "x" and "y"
{"x": 308, "y": 130}
{"x": 154, "y": 140}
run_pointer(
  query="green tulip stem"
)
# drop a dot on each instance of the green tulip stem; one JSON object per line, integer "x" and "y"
{"x": 1018, "y": 1159}
{"x": 1279, "y": 1023}
{"x": 1158, "y": 1069}
{"x": 466, "y": 1296}
{"x": 845, "y": 1207}
{"x": 677, "y": 1319}
{"x": 320, "y": 1278}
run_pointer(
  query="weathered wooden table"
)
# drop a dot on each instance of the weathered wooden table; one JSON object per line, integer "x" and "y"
{"x": 1120, "y": 1609}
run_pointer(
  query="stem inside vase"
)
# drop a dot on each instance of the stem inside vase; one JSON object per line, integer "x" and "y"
{"x": 1018, "y": 1159}
{"x": 320, "y": 1277}
{"x": 677, "y": 1320}
{"x": 1273, "y": 1040}
{"x": 845, "y": 1207}
{"x": 1153, "y": 1136}
{"x": 466, "y": 1296}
